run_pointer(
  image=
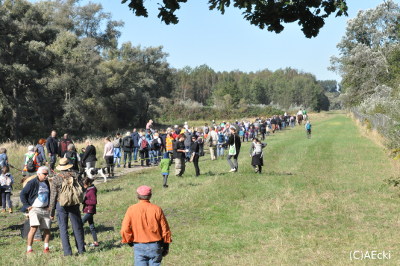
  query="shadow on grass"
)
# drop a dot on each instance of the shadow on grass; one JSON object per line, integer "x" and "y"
{"x": 279, "y": 173}
{"x": 99, "y": 228}
{"x": 101, "y": 191}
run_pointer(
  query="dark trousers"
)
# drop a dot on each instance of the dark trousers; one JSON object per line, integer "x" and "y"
{"x": 89, "y": 218}
{"x": 127, "y": 154}
{"x": 165, "y": 180}
{"x": 144, "y": 156}
{"x": 196, "y": 164}
{"x": 5, "y": 198}
{"x": 110, "y": 164}
{"x": 53, "y": 160}
{"x": 74, "y": 215}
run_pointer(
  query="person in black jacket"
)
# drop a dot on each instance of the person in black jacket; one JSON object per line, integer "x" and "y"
{"x": 52, "y": 148}
{"x": 89, "y": 157}
{"x": 234, "y": 139}
{"x": 35, "y": 199}
{"x": 127, "y": 147}
{"x": 195, "y": 148}
{"x": 135, "y": 138}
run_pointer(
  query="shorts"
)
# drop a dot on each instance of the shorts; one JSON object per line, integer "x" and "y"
{"x": 117, "y": 152}
{"x": 40, "y": 217}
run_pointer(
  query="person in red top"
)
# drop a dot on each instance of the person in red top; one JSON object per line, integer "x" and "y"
{"x": 146, "y": 229}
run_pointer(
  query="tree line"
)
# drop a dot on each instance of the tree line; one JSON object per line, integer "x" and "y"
{"x": 369, "y": 64}
{"x": 61, "y": 66}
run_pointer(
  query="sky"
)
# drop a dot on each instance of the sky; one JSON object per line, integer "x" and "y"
{"x": 229, "y": 42}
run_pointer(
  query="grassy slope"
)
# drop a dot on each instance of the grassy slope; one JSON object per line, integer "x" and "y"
{"x": 318, "y": 200}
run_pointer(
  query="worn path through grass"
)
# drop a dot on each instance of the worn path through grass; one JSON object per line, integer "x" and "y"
{"x": 317, "y": 200}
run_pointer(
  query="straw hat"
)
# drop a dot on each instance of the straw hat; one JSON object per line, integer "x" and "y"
{"x": 64, "y": 165}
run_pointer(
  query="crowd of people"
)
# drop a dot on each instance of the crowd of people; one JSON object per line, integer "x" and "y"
{"x": 70, "y": 188}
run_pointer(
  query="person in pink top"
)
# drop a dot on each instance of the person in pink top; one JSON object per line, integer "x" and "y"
{"x": 108, "y": 155}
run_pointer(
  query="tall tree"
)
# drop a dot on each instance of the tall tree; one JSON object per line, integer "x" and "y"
{"x": 310, "y": 15}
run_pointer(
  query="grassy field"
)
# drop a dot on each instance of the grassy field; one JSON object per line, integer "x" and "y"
{"x": 318, "y": 200}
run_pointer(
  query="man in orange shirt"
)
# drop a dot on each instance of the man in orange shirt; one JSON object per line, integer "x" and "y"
{"x": 146, "y": 229}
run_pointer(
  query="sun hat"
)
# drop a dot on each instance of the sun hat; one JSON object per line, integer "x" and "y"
{"x": 64, "y": 164}
{"x": 144, "y": 190}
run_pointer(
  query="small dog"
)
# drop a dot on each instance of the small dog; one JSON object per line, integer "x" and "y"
{"x": 92, "y": 172}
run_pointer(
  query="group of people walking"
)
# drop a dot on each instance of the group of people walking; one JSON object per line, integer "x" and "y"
{"x": 68, "y": 190}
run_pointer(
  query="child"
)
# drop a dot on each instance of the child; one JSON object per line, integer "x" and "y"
{"x": 165, "y": 165}
{"x": 256, "y": 155}
{"x": 308, "y": 129}
{"x": 89, "y": 208}
{"x": 3, "y": 158}
{"x": 6, "y": 182}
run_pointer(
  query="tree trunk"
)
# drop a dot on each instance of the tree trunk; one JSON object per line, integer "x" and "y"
{"x": 15, "y": 116}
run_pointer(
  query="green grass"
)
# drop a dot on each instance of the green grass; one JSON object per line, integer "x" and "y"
{"x": 317, "y": 200}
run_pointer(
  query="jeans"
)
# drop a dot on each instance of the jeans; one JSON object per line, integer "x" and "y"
{"x": 117, "y": 156}
{"x": 147, "y": 254}
{"x": 74, "y": 215}
{"x": 53, "y": 159}
{"x": 89, "y": 218}
{"x": 144, "y": 154}
{"x": 155, "y": 156}
{"x": 5, "y": 197}
{"x": 220, "y": 150}
{"x": 135, "y": 153}
{"x": 234, "y": 164}
{"x": 189, "y": 153}
{"x": 127, "y": 155}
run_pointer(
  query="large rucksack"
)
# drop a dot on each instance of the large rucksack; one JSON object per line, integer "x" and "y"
{"x": 155, "y": 145}
{"x": 221, "y": 138}
{"x": 30, "y": 164}
{"x": 127, "y": 142}
{"x": 144, "y": 144}
{"x": 71, "y": 191}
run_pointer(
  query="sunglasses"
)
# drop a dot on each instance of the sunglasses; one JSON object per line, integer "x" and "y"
{"x": 45, "y": 173}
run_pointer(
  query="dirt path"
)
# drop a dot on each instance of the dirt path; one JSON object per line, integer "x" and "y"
{"x": 99, "y": 180}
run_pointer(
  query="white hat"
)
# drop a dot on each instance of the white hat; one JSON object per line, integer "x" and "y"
{"x": 31, "y": 148}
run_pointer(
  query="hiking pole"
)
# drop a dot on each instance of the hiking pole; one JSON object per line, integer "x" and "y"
{"x": 15, "y": 168}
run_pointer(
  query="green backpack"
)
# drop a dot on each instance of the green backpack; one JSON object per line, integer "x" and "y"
{"x": 71, "y": 191}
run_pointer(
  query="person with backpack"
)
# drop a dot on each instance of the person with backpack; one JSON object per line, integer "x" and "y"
{"x": 41, "y": 157}
{"x": 73, "y": 157}
{"x": 220, "y": 144}
{"x": 35, "y": 197}
{"x": 135, "y": 137}
{"x": 6, "y": 182}
{"x": 156, "y": 144}
{"x": 117, "y": 143}
{"x": 108, "y": 156}
{"x": 144, "y": 150}
{"x": 212, "y": 140}
{"x": 127, "y": 147}
{"x": 52, "y": 149}
{"x": 308, "y": 129}
{"x": 89, "y": 156}
{"x": 233, "y": 145}
{"x": 188, "y": 143}
{"x": 179, "y": 155}
{"x": 3, "y": 158}
{"x": 64, "y": 142}
{"x": 257, "y": 155}
{"x": 30, "y": 162}
{"x": 89, "y": 208}
{"x": 66, "y": 195}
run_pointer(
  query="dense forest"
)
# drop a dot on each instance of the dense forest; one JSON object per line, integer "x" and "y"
{"x": 61, "y": 67}
{"x": 369, "y": 64}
